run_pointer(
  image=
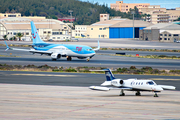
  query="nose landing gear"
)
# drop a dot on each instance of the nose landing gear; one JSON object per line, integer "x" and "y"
{"x": 156, "y": 95}
{"x": 69, "y": 58}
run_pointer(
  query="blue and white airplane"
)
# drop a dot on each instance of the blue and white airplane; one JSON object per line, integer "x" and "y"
{"x": 129, "y": 84}
{"x": 56, "y": 51}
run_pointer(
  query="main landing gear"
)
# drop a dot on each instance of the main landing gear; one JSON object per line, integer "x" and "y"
{"x": 69, "y": 58}
{"x": 122, "y": 93}
{"x": 88, "y": 59}
{"x": 138, "y": 93}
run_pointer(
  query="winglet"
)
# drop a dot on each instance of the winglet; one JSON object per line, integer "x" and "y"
{"x": 6, "y": 46}
{"x": 96, "y": 49}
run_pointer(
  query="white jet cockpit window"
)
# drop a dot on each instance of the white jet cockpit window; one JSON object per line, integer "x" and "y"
{"x": 150, "y": 83}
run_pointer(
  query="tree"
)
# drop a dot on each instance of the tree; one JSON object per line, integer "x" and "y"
{"x": 13, "y": 38}
{"x": 19, "y": 35}
{"x": 5, "y": 37}
{"x": 54, "y": 17}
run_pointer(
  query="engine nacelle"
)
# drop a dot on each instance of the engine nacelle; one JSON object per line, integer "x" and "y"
{"x": 117, "y": 82}
{"x": 55, "y": 56}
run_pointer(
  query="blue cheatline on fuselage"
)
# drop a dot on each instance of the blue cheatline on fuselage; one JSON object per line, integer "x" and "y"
{"x": 80, "y": 49}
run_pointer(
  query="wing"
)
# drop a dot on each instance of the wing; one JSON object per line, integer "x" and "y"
{"x": 29, "y": 50}
{"x": 167, "y": 87}
{"x": 33, "y": 51}
{"x": 100, "y": 88}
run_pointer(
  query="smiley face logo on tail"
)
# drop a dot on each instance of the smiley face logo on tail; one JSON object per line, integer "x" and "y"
{"x": 34, "y": 36}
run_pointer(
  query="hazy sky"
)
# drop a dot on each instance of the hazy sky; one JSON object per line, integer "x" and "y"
{"x": 164, "y": 3}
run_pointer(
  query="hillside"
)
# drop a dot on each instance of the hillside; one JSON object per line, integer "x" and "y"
{"x": 85, "y": 12}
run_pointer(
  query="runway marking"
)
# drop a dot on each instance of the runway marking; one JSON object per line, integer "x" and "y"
{"x": 163, "y": 79}
{"x": 102, "y": 105}
{"x": 47, "y": 75}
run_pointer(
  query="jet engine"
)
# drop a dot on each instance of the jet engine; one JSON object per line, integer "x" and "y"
{"x": 55, "y": 56}
{"x": 117, "y": 82}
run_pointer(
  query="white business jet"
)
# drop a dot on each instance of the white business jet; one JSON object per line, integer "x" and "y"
{"x": 129, "y": 84}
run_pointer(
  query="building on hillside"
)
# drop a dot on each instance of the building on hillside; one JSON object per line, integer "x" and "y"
{"x": 162, "y": 32}
{"x": 174, "y": 14}
{"x": 47, "y": 28}
{"x": 159, "y": 17}
{"x": 116, "y": 28}
{"x": 80, "y": 31}
{"x": 151, "y": 8}
{"x": 104, "y": 17}
{"x": 124, "y": 7}
{"x": 156, "y": 9}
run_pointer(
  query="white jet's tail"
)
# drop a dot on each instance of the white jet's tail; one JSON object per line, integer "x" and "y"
{"x": 35, "y": 35}
{"x": 109, "y": 78}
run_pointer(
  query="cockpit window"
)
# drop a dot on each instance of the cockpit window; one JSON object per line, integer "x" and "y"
{"x": 150, "y": 83}
{"x": 89, "y": 49}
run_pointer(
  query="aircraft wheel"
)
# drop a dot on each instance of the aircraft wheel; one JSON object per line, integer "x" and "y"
{"x": 69, "y": 58}
{"x": 155, "y": 95}
{"x": 123, "y": 94}
{"x": 53, "y": 59}
{"x": 138, "y": 93}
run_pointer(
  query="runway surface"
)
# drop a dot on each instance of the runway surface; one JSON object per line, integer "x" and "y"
{"x": 26, "y": 58}
{"x": 116, "y": 43}
{"x": 75, "y": 79}
{"x": 65, "y": 96}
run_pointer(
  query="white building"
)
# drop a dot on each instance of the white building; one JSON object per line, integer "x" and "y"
{"x": 47, "y": 28}
{"x": 80, "y": 31}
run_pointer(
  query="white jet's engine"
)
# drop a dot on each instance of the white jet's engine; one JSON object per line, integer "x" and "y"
{"x": 55, "y": 56}
{"x": 117, "y": 82}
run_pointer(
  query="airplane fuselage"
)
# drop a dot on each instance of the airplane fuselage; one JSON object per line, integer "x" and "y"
{"x": 135, "y": 85}
{"x": 64, "y": 50}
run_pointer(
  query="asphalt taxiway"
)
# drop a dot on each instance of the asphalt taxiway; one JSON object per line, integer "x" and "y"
{"x": 75, "y": 79}
{"x": 115, "y": 43}
{"x": 26, "y": 58}
{"x": 54, "y": 96}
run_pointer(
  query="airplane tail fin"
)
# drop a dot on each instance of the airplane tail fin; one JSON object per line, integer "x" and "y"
{"x": 108, "y": 73}
{"x": 35, "y": 35}
{"x": 7, "y": 47}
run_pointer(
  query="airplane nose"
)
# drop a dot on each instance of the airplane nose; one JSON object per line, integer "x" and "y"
{"x": 158, "y": 88}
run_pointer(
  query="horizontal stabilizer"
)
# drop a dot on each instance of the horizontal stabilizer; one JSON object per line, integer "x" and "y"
{"x": 99, "y": 88}
{"x": 166, "y": 87}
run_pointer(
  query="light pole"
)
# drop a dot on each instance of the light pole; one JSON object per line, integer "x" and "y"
{"x": 133, "y": 12}
{"x": 70, "y": 11}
